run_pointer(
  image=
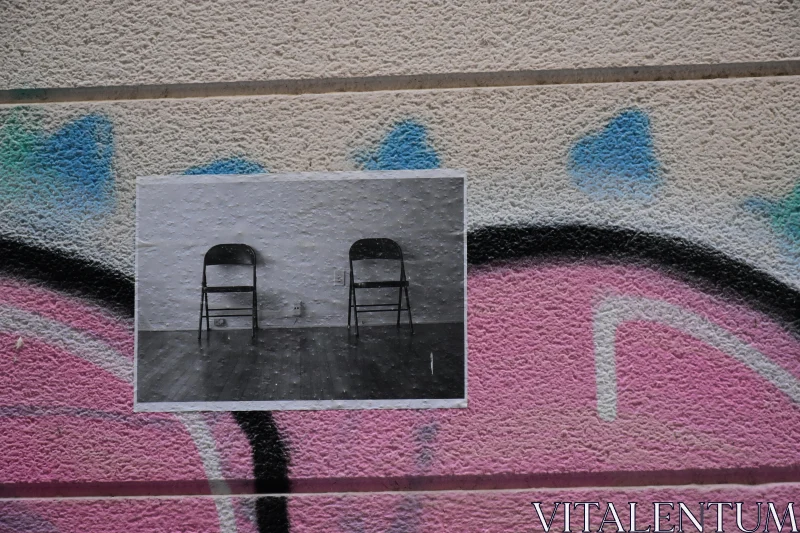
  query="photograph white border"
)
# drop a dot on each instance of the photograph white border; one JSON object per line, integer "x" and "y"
{"x": 297, "y": 405}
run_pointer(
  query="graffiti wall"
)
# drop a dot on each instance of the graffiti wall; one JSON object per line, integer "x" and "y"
{"x": 633, "y": 311}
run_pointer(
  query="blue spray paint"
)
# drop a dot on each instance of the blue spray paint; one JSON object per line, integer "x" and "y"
{"x": 405, "y": 147}
{"x": 783, "y": 215}
{"x": 231, "y": 165}
{"x": 618, "y": 161}
{"x": 80, "y": 154}
{"x": 60, "y": 174}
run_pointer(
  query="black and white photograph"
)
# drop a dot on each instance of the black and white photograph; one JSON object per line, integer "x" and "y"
{"x": 328, "y": 290}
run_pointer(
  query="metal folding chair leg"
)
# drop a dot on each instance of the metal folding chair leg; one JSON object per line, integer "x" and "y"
{"x": 355, "y": 309}
{"x": 408, "y": 306}
{"x": 399, "y": 304}
{"x": 208, "y": 321}
{"x": 349, "y": 303}
{"x": 200, "y": 325}
{"x": 254, "y": 315}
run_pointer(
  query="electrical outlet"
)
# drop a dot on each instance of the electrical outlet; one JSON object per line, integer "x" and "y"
{"x": 220, "y": 322}
{"x": 297, "y": 309}
{"x": 338, "y": 276}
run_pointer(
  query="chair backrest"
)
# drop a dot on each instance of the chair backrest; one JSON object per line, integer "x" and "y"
{"x": 375, "y": 249}
{"x": 230, "y": 254}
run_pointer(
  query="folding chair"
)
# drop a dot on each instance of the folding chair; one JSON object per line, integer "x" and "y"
{"x": 228, "y": 254}
{"x": 368, "y": 249}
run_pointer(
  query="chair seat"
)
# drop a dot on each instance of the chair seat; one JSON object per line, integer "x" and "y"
{"x": 231, "y": 288}
{"x": 379, "y": 284}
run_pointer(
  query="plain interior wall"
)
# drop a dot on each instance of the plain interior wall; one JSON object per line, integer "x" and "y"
{"x": 301, "y": 227}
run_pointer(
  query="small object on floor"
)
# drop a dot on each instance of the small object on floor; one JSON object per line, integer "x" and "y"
{"x": 19, "y": 344}
{"x": 431, "y": 363}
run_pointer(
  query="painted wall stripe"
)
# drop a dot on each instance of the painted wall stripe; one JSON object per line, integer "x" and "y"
{"x": 206, "y": 447}
{"x": 79, "y": 344}
{"x": 615, "y": 310}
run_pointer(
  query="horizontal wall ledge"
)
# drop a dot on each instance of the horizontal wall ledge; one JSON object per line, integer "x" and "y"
{"x": 419, "y": 82}
{"x": 403, "y": 484}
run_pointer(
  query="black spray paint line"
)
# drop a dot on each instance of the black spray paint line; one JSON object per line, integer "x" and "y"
{"x": 693, "y": 263}
{"x": 68, "y": 273}
{"x": 270, "y": 469}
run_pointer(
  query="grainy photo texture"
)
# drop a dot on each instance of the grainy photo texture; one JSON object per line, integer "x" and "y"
{"x": 342, "y": 290}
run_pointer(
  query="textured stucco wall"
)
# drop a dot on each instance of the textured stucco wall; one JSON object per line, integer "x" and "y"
{"x": 633, "y": 290}
{"x": 713, "y": 156}
{"x": 691, "y": 284}
{"x": 466, "y": 512}
{"x": 134, "y": 42}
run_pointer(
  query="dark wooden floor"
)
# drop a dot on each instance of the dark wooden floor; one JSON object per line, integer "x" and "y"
{"x": 384, "y": 363}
